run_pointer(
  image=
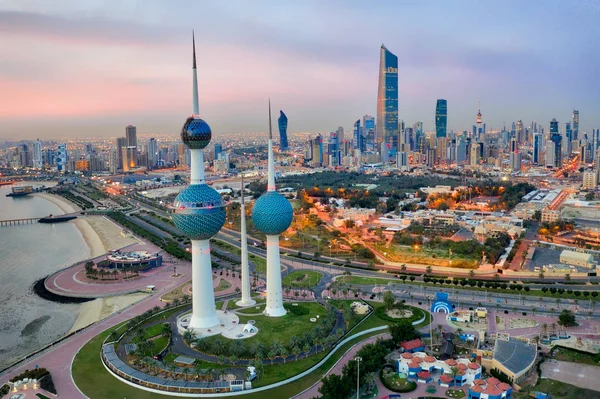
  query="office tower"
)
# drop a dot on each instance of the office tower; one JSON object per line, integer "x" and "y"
{"x": 575, "y": 125}
{"x": 113, "y": 161}
{"x": 567, "y": 147}
{"x": 431, "y": 158}
{"x": 520, "y": 132}
{"x": 387, "y": 98}
{"x": 538, "y": 140}
{"x": 218, "y": 150}
{"x": 317, "y": 151}
{"x": 590, "y": 180}
{"x": 549, "y": 160}
{"x": 122, "y": 152}
{"x": 474, "y": 154}
{"x": 283, "y": 124}
{"x": 152, "y": 152}
{"x": 61, "y": 158}
{"x": 357, "y": 138}
{"x": 441, "y": 118}
{"x": 272, "y": 214}
{"x": 440, "y": 148}
{"x": 130, "y": 157}
{"x": 402, "y": 161}
{"x": 199, "y": 212}
{"x": 37, "y": 154}
{"x": 515, "y": 155}
{"x": 333, "y": 150}
{"x": 369, "y": 132}
{"x": 555, "y": 137}
{"x": 479, "y": 118}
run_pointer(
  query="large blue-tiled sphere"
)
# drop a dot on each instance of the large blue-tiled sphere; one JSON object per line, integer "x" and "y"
{"x": 196, "y": 133}
{"x": 272, "y": 213}
{"x": 199, "y": 212}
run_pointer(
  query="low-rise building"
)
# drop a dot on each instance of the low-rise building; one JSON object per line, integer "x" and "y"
{"x": 425, "y": 368}
{"x": 550, "y": 215}
{"x": 490, "y": 388}
{"x": 576, "y": 258}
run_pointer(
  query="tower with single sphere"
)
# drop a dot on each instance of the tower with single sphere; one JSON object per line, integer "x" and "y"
{"x": 272, "y": 215}
{"x": 199, "y": 212}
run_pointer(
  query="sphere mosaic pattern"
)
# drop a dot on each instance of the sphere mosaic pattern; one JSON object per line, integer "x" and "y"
{"x": 196, "y": 133}
{"x": 199, "y": 212}
{"x": 272, "y": 213}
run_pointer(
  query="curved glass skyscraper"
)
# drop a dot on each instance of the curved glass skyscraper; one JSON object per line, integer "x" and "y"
{"x": 387, "y": 98}
{"x": 441, "y": 117}
{"x": 283, "y": 122}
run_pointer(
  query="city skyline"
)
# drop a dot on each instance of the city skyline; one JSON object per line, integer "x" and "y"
{"x": 101, "y": 72}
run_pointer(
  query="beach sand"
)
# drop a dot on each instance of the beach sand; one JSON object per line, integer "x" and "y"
{"x": 100, "y": 308}
{"x": 108, "y": 232}
{"x": 65, "y": 205}
{"x": 91, "y": 237}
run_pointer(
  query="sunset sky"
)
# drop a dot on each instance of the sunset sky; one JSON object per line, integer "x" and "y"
{"x": 88, "y": 68}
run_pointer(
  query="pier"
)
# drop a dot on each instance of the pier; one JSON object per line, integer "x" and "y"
{"x": 15, "y": 222}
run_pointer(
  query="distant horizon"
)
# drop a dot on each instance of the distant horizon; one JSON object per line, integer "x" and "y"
{"x": 89, "y": 69}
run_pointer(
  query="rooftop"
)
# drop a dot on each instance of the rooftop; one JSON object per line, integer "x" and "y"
{"x": 412, "y": 345}
{"x": 514, "y": 354}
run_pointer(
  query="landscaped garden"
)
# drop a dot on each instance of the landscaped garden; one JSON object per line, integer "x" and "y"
{"x": 455, "y": 393}
{"x": 392, "y": 381}
{"x": 302, "y": 279}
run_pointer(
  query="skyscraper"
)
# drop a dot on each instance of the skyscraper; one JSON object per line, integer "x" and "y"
{"x": 575, "y": 125}
{"x": 387, "y": 98}
{"x": 199, "y": 212}
{"x": 357, "y": 139}
{"x": 131, "y": 153}
{"x": 62, "y": 157}
{"x": 152, "y": 152}
{"x": 538, "y": 141}
{"x": 556, "y": 138}
{"x": 283, "y": 124}
{"x": 272, "y": 214}
{"x": 369, "y": 132}
{"x": 218, "y": 150}
{"x": 515, "y": 155}
{"x": 441, "y": 118}
{"x": 37, "y": 154}
{"x": 122, "y": 153}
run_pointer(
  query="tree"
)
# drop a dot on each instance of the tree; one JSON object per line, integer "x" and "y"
{"x": 526, "y": 391}
{"x": 388, "y": 300}
{"x": 335, "y": 386}
{"x": 428, "y": 270}
{"x": 233, "y": 359}
{"x": 296, "y": 351}
{"x": 567, "y": 319}
{"x": 403, "y": 331}
{"x": 306, "y": 349}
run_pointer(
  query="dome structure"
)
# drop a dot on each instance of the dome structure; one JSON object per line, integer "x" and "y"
{"x": 196, "y": 133}
{"x": 199, "y": 212}
{"x": 250, "y": 329}
{"x": 272, "y": 213}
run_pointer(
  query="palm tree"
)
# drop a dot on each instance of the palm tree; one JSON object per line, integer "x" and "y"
{"x": 369, "y": 379}
{"x": 272, "y": 355}
{"x": 186, "y": 371}
{"x": 471, "y": 274}
{"x": 222, "y": 359}
{"x": 296, "y": 351}
{"x": 284, "y": 354}
{"x": 306, "y": 349}
{"x": 198, "y": 370}
{"x": 173, "y": 369}
{"x": 233, "y": 359}
{"x": 428, "y": 270}
{"x": 188, "y": 337}
{"x": 533, "y": 310}
{"x": 166, "y": 330}
{"x": 237, "y": 347}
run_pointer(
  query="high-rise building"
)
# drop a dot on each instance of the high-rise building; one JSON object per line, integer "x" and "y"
{"x": 122, "y": 152}
{"x": 567, "y": 147}
{"x": 358, "y": 141}
{"x": 152, "y": 153}
{"x": 387, "y": 98}
{"x": 520, "y": 132}
{"x": 272, "y": 215}
{"x": 37, "y": 154}
{"x": 333, "y": 150}
{"x": 590, "y": 180}
{"x": 369, "y": 133}
{"x": 283, "y": 124}
{"x": 62, "y": 158}
{"x": 441, "y": 118}
{"x": 218, "y": 150}
{"x": 199, "y": 212}
{"x": 130, "y": 158}
{"x": 131, "y": 136}
{"x": 556, "y": 138}
{"x": 515, "y": 155}
{"x": 538, "y": 142}
{"x": 478, "y": 130}
{"x": 575, "y": 125}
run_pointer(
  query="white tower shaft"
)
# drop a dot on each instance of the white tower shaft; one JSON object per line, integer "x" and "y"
{"x": 271, "y": 167}
{"x": 274, "y": 306}
{"x": 204, "y": 314}
{"x": 246, "y": 298}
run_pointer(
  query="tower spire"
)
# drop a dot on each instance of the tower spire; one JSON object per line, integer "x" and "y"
{"x": 196, "y": 107}
{"x": 271, "y": 170}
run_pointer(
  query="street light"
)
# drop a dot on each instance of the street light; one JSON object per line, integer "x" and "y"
{"x": 358, "y": 359}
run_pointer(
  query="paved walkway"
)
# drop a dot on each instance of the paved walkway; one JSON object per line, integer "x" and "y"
{"x": 581, "y": 375}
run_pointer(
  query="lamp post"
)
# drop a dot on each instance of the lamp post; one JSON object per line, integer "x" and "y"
{"x": 358, "y": 359}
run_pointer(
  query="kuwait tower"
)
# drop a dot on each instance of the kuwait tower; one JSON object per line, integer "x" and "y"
{"x": 272, "y": 215}
{"x": 199, "y": 212}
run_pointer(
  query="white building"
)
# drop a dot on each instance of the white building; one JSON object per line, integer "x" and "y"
{"x": 576, "y": 258}
{"x": 590, "y": 180}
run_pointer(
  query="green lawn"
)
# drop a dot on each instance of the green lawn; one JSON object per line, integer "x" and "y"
{"x": 41, "y": 396}
{"x": 455, "y": 393}
{"x": 231, "y": 305}
{"x": 223, "y": 285}
{"x": 374, "y": 321}
{"x": 561, "y": 390}
{"x": 426, "y": 256}
{"x": 261, "y": 263}
{"x": 570, "y": 355}
{"x": 302, "y": 279}
{"x": 104, "y": 386}
{"x": 153, "y": 331}
{"x": 367, "y": 280}
{"x": 252, "y": 309}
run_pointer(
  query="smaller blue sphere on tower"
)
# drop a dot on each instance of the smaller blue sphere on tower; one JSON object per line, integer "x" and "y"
{"x": 196, "y": 133}
{"x": 272, "y": 213}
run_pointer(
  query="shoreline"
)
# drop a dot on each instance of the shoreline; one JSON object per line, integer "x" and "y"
{"x": 90, "y": 237}
{"x": 64, "y": 205}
